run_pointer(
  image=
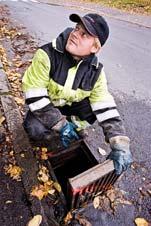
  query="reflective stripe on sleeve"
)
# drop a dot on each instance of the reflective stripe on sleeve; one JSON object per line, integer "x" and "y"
{"x": 102, "y": 105}
{"x": 107, "y": 115}
{"x": 39, "y": 104}
{"x": 36, "y": 93}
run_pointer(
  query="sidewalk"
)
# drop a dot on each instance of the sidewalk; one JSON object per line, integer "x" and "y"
{"x": 14, "y": 206}
{"x": 138, "y": 19}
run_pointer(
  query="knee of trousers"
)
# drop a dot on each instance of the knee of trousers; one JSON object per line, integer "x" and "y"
{"x": 34, "y": 128}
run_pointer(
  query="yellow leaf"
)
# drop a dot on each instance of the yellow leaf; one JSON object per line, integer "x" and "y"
{"x": 51, "y": 191}
{"x": 19, "y": 100}
{"x": 35, "y": 221}
{"x": 44, "y": 155}
{"x": 68, "y": 217}
{"x": 43, "y": 174}
{"x": 44, "y": 149}
{"x": 14, "y": 171}
{"x": 18, "y": 63}
{"x": 57, "y": 186}
{"x": 40, "y": 191}
{"x": 2, "y": 119}
{"x": 141, "y": 222}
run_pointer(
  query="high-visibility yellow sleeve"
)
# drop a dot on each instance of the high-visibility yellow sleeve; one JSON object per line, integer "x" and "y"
{"x": 37, "y": 74}
{"x": 100, "y": 91}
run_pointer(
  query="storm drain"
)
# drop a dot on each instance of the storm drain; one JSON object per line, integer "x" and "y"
{"x": 80, "y": 174}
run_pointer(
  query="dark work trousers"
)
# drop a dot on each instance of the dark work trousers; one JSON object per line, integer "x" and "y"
{"x": 37, "y": 131}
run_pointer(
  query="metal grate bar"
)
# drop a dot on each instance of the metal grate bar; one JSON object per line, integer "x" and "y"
{"x": 91, "y": 190}
{"x": 107, "y": 182}
{"x": 87, "y": 193}
{"x": 100, "y": 186}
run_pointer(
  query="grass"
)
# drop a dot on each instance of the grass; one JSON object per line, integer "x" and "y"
{"x": 137, "y": 6}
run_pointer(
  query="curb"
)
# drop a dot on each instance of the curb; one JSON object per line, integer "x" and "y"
{"x": 117, "y": 14}
{"x": 23, "y": 150}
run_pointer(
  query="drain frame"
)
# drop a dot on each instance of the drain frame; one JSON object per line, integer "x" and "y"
{"x": 84, "y": 186}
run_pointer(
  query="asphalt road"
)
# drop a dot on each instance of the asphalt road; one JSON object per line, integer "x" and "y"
{"x": 127, "y": 60}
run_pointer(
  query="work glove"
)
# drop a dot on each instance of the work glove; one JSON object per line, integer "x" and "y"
{"x": 68, "y": 134}
{"x": 120, "y": 154}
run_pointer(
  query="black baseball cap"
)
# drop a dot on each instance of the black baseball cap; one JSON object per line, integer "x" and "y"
{"x": 94, "y": 24}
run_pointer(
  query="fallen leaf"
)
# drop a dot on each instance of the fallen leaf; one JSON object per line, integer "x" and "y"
{"x": 2, "y": 119}
{"x": 102, "y": 202}
{"x": 68, "y": 217}
{"x": 96, "y": 202}
{"x": 35, "y": 221}
{"x": 51, "y": 191}
{"x": 82, "y": 220}
{"x": 149, "y": 192}
{"x": 111, "y": 194}
{"x": 44, "y": 149}
{"x": 38, "y": 192}
{"x": 8, "y": 201}
{"x": 141, "y": 222}
{"x": 123, "y": 201}
{"x": 57, "y": 186}
{"x": 43, "y": 174}
{"x": 44, "y": 155}
{"x": 11, "y": 153}
{"x": 19, "y": 100}
{"x": 14, "y": 171}
{"x": 102, "y": 151}
{"x": 42, "y": 190}
{"x": 18, "y": 64}
{"x": 7, "y": 139}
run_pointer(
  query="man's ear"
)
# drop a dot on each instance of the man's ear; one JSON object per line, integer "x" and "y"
{"x": 95, "y": 49}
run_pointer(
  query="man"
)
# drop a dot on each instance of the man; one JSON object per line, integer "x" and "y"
{"x": 66, "y": 90}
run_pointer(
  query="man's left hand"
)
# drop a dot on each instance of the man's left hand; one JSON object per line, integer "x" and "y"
{"x": 120, "y": 154}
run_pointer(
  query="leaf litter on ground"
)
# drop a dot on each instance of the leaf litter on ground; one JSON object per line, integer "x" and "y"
{"x": 14, "y": 171}
{"x": 109, "y": 200}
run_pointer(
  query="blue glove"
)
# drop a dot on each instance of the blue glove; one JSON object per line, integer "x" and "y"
{"x": 68, "y": 133}
{"x": 121, "y": 155}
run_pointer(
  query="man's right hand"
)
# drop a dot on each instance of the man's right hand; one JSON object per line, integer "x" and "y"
{"x": 68, "y": 133}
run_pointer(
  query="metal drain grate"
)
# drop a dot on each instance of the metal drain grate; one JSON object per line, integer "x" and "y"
{"x": 80, "y": 175}
{"x": 85, "y": 186}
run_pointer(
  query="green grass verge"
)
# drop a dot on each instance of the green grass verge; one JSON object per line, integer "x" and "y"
{"x": 138, "y": 6}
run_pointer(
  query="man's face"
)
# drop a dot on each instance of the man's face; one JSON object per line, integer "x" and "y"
{"x": 80, "y": 43}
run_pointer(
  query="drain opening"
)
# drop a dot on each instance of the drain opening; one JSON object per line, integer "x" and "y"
{"x": 71, "y": 163}
{"x": 80, "y": 174}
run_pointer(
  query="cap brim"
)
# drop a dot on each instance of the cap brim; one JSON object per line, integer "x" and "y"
{"x": 77, "y": 19}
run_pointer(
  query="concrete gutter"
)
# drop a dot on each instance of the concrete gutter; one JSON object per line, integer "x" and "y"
{"x": 23, "y": 151}
{"x": 138, "y": 19}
